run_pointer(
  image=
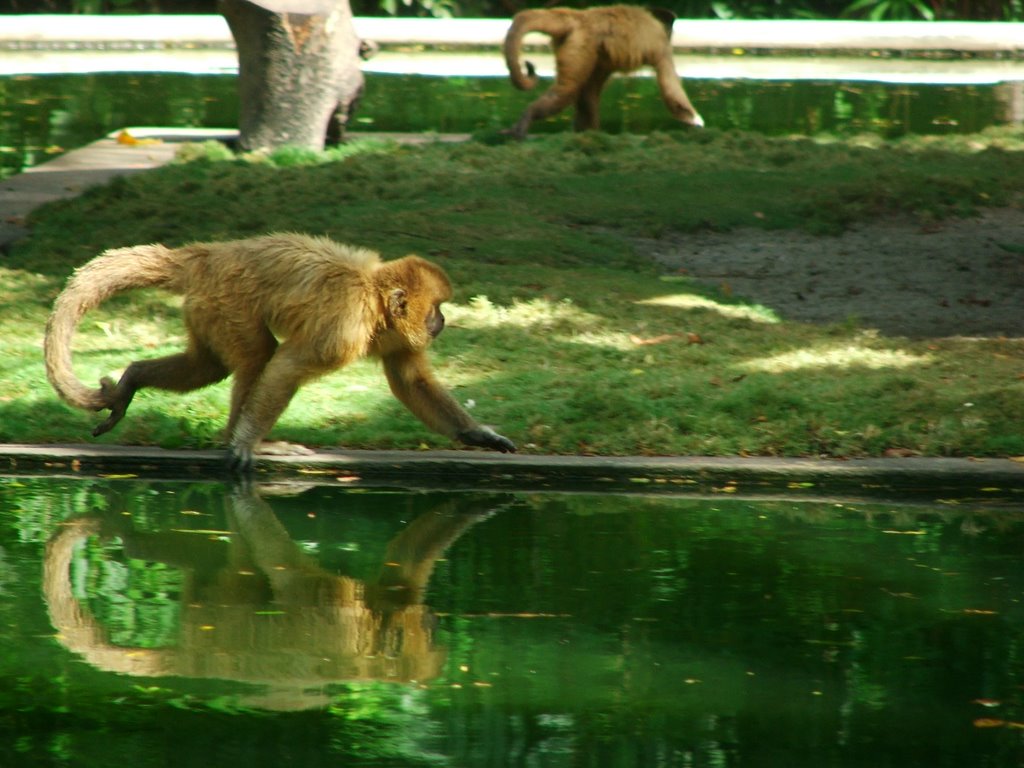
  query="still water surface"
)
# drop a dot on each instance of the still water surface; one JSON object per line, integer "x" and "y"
{"x": 43, "y": 115}
{"x": 151, "y": 624}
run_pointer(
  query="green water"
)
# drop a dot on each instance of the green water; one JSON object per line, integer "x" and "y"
{"x": 185, "y": 624}
{"x": 42, "y": 115}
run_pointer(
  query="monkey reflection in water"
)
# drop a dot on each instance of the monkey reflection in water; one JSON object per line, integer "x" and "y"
{"x": 258, "y": 609}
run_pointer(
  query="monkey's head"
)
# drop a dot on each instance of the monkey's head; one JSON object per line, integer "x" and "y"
{"x": 412, "y": 291}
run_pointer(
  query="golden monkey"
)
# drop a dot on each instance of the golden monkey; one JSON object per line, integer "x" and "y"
{"x": 589, "y": 46}
{"x": 275, "y": 311}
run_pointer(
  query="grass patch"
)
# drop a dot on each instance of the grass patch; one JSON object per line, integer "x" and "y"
{"x": 561, "y": 334}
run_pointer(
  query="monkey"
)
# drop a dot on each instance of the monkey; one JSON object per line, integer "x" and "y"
{"x": 590, "y": 45}
{"x": 276, "y": 311}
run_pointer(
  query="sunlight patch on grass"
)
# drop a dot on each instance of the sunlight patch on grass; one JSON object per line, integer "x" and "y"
{"x": 121, "y": 334}
{"x": 848, "y": 356}
{"x": 480, "y": 312}
{"x": 622, "y": 342}
{"x": 753, "y": 312}
{"x": 18, "y": 285}
{"x": 562, "y": 319}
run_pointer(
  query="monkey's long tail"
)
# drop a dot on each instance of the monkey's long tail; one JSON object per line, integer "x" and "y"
{"x": 111, "y": 272}
{"x": 522, "y": 23}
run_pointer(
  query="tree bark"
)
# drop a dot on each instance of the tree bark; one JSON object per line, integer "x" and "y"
{"x": 295, "y": 72}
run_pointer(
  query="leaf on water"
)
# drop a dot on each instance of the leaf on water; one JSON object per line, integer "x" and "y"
{"x": 988, "y": 702}
{"x": 203, "y": 531}
{"x": 988, "y": 722}
{"x": 905, "y": 533}
{"x": 126, "y": 476}
{"x": 905, "y": 595}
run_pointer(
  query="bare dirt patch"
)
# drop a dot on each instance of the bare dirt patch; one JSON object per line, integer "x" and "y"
{"x": 959, "y": 277}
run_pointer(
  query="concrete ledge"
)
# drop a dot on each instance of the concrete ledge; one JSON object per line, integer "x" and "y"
{"x": 997, "y": 482}
{"x": 991, "y": 38}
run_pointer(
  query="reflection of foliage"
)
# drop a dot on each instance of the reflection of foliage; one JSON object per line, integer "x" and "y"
{"x": 386, "y": 723}
{"x": 579, "y": 625}
{"x": 136, "y": 601}
{"x": 47, "y": 112}
{"x": 890, "y": 10}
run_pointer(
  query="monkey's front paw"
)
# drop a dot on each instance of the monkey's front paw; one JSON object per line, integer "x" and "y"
{"x": 485, "y": 437}
{"x": 239, "y": 460}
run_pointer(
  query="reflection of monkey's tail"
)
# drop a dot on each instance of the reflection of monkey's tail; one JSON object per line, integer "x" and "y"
{"x": 112, "y": 272}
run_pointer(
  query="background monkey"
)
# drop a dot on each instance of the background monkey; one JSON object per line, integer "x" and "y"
{"x": 589, "y": 46}
{"x": 276, "y": 311}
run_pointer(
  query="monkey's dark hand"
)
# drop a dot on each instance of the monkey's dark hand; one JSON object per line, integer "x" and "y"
{"x": 485, "y": 437}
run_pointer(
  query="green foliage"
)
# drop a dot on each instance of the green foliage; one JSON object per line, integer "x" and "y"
{"x": 555, "y": 299}
{"x": 979, "y": 10}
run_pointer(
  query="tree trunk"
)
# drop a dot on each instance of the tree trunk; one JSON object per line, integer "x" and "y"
{"x": 295, "y": 72}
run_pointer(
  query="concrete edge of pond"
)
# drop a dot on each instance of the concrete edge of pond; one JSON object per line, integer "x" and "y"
{"x": 995, "y": 481}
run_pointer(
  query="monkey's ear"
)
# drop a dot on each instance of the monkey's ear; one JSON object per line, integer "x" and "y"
{"x": 398, "y": 305}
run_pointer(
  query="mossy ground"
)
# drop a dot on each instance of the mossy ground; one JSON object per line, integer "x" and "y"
{"x": 561, "y": 335}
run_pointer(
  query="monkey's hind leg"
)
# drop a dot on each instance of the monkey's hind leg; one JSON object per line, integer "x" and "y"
{"x": 674, "y": 96}
{"x": 575, "y": 60}
{"x": 195, "y": 368}
{"x": 588, "y": 102}
{"x": 261, "y": 398}
{"x": 250, "y": 356}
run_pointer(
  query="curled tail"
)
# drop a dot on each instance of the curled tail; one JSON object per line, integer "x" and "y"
{"x": 112, "y": 272}
{"x": 534, "y": 20}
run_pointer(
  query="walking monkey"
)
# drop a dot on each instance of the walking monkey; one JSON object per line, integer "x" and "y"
{"x": 276, "y": 311}
{"x": 589, "y": 46}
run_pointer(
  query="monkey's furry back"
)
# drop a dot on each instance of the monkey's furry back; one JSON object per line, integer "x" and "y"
{"x": 626, "y": 36}
{"x": 266, "y": 278}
